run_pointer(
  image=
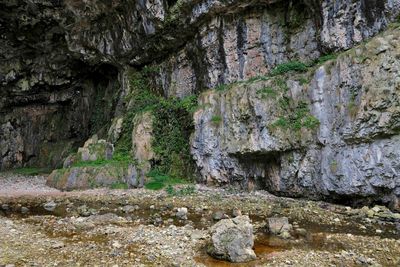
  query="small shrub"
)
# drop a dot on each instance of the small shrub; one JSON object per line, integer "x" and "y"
{"x": 281, "y": 84}
{"x": 284, "y": 102}
{"x": 160, "y": 180}
{"x": 223, "y": 87}
{"x": 310, "y": 122}
{"x": 324, "y": 59}
{"x": 216, "y": 119}
{"x": 289, "y": 66}
{"x": 189, "y": 103}
{"x": 267, "y": 92}
{"x": 303, "y": 81}
{"x": 281, "y": 122}
{"x": 185, "y": 191}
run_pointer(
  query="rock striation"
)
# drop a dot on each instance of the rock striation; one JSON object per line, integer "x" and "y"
{"x": 352, "y": 152}
{"x": 327, "y": 129}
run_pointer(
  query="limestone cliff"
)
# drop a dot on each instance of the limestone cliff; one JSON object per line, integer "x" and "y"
{"x": 288, "y": 100}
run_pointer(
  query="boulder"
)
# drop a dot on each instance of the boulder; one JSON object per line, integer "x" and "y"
{"x": 79, "y": 178}
{"x": 233, "y": 240}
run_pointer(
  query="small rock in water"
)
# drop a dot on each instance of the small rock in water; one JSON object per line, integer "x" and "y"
{"x": 233, "y": 240}
{"x": 50, "y": 206}
{"x": 218, "y": 215}
{"x": 158, "y": 221}
{"x": 24, "y": 210}
{"x": 301, "y": 232}
{"x": 278, "y": 225}
{"x": 128, "y": 209}
{"x": 182, "y": 213}
{"x": 57, "y": 245}
{"x": 378, "y": 231}
{"x": 236, "y": 212}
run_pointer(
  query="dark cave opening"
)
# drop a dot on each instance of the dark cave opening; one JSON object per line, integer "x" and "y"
{"x": 262, "y": 170}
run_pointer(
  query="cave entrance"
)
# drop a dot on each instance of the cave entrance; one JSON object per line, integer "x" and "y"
{"x": 263, "y": 171}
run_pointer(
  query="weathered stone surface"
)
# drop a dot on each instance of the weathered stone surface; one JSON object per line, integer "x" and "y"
{"x": 95, "y": 149}
{"x": 78, "y": 178}
{"x": 232, "y": 240}
{"x": 142, "y": 135}
{"x": 352, "y": 153}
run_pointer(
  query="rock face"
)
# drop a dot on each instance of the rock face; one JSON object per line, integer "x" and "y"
{"x": 330, "y": 132}
{"x": 48, "y": 96}
{"x": 351, "y": 153}
{"x": 232, "y": 240}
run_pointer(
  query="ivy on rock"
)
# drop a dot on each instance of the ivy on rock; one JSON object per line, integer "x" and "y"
{"x": 172, "y": 126}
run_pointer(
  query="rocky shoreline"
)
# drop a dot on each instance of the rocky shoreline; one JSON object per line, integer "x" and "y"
{"x": 140, "y": 227}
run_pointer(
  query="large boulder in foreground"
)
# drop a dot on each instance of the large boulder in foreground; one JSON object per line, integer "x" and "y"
{"x": 233, "y": 240}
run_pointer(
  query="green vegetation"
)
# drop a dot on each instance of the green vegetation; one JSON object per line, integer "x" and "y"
{"x": 31, "y": 171}
{"x": 289, "y": 66}
{"x": 223, "y": 87}
{"x": 160, "y": 180}
{"x": 119, "y": 185}
{"x": 119, "y": 159}
{"x": 334, "y": 166}
{"x": 216, "y": 119}
{"x": 174, "y": 11}
{"x": 352, "y": 104}
{"x": 324, "y": 59}
{"x": 267, "y": 92}
{"x": 296, "y": 118}
{"x": 281, "y": 84}
{"x": 303, "y": 81}
{"x": 172, "y": 125}
{"x": 92, "y": 183}
{"x": 185, "y": 191}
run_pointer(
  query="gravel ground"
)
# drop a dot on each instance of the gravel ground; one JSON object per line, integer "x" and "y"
{"x": 16, "y": 185}
{"x": 40, "y": 226}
